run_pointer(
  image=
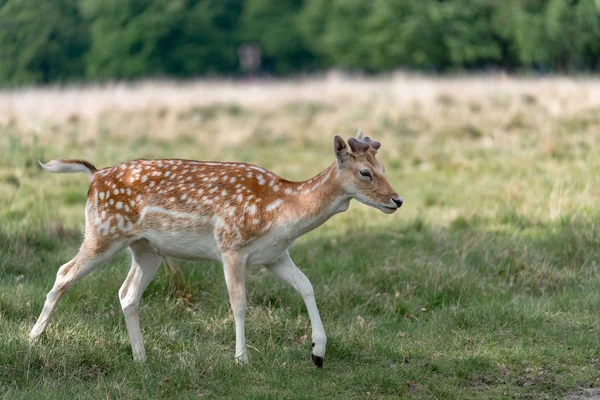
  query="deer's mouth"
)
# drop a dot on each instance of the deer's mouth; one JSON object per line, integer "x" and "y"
{"x": 387, "y": 209}
{"x": 383, "y": 208}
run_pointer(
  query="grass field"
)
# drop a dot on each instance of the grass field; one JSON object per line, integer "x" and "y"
{"x": 486, "y": 284}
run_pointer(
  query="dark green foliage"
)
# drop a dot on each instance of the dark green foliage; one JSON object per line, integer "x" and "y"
{"x": 86, "y": 39}
{"x": 179, "y": 38}
{"x": 273, "y": 24}
{"x": 42, "y": 41}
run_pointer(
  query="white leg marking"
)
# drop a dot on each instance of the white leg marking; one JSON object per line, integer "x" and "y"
{"x": 285, "y": 269}
{"x": 143, "y": 268}
{"x": 235, "y": 274}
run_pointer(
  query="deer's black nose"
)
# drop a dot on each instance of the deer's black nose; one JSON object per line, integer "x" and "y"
{"x": 398, "y": 202}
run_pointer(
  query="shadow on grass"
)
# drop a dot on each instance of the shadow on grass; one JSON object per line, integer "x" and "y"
{"x": 476, "y": 304}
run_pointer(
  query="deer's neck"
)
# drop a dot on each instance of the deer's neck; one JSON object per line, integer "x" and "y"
{"x": 312, "y": 202}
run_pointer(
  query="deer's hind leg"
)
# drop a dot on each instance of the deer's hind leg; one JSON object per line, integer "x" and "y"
{"x": 143, "y": 268}
{"x": 89, "y": 257}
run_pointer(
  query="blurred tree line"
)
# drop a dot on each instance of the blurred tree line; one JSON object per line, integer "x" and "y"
{"x": 76, "y": 40}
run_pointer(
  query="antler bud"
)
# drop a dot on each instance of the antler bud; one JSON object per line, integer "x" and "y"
{"x": 372, "y": 143}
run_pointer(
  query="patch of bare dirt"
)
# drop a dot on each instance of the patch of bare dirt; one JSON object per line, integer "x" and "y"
{"x": 587, "y": 394}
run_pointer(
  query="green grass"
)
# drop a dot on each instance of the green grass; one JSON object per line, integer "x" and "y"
{"x": 486, "y": 284}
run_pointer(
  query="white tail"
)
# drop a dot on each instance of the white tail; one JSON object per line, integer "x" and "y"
{"x": 63, "y": 165}
{"x": 235, "y": 213}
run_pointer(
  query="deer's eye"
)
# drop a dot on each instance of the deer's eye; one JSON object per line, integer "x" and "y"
{"x": 366, "y": 174}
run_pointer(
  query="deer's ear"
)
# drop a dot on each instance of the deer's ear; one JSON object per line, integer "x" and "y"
{"x": 341, "y": 150}
{"x": 358, "y": 147}
{"x": 360, "y": 135}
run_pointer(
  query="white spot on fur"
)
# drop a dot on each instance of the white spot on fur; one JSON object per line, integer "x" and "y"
{"x": 120, "y": 222}
{"x": 256, "y": 221}
{"x": 274, "y": 205}
{"x": 119, "y": 205}
{"x": 288, "y": 191}
{"x": 252, "y": 209}
{"x": 101, "y": 195}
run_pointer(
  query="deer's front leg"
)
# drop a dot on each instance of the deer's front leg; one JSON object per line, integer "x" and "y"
{"x": 235, "y": 273}
{"x": 286, "y": 270}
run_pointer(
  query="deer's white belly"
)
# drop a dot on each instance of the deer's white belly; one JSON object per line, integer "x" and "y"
{"x": 203, "y": 246}
{"x": 185, "y": 244}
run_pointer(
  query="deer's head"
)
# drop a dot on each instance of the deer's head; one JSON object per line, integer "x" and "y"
{"x": 362, "y": 174}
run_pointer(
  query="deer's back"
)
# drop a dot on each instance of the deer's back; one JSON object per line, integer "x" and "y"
{"x": 185, "y": 206}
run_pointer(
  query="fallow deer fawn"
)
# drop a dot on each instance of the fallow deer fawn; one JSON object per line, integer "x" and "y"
{"x": 235, "y": 213}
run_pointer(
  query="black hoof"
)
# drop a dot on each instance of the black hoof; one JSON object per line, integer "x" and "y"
{"x": 318, "y": 361}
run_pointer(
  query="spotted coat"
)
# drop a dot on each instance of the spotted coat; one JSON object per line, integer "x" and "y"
{"x": 236, "y": 213}
{"x": 239, "y": 202}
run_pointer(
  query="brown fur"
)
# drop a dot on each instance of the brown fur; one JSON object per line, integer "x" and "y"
{"x": 236, "y": 213}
